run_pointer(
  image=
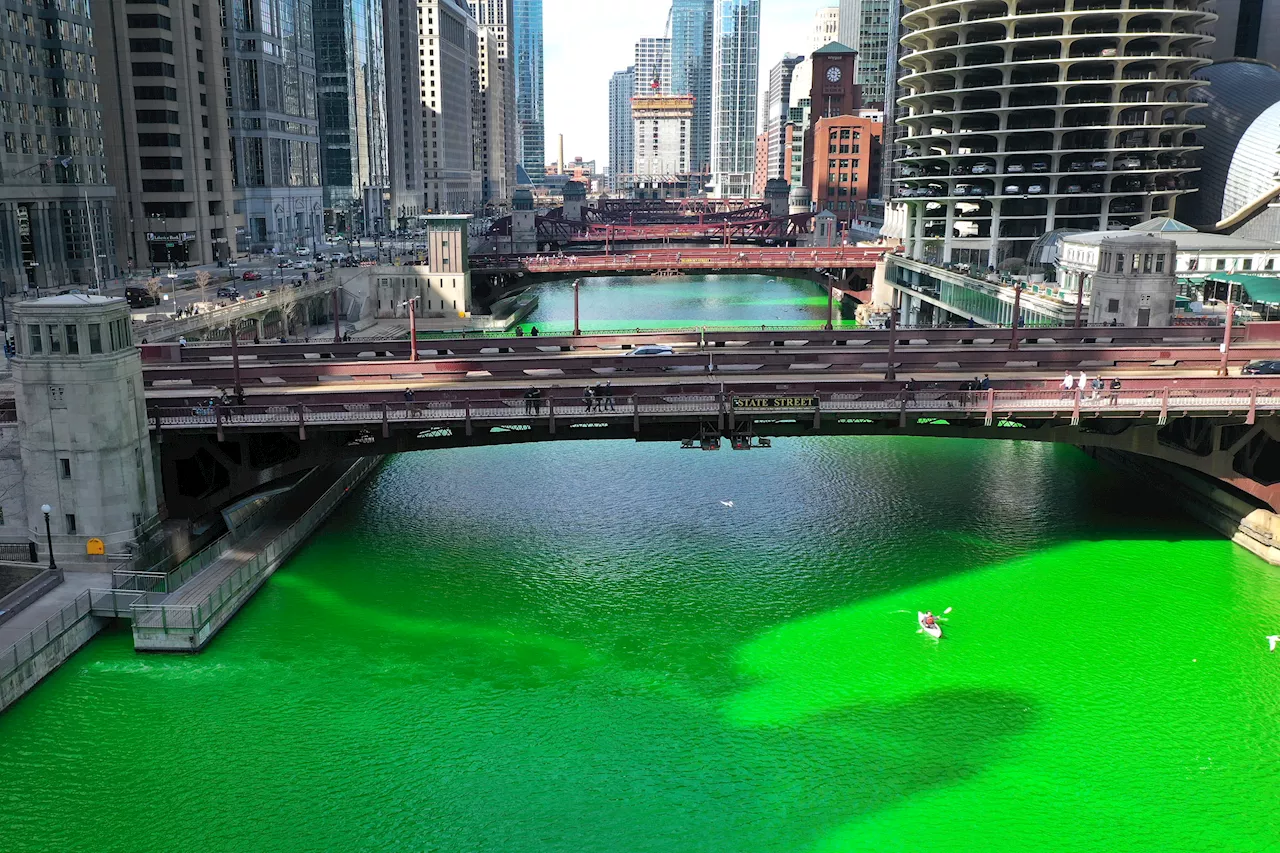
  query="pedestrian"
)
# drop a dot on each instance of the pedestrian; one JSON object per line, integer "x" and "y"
{"x": 588, "y": 397}
{"x": 519, "y": 331}
{"x": 537, "y": 401}
{"x": 608, "y": 395}
{"x": 1115, "y": 389}
{"x": 1083, "y": 382}
{"x": 985, "y": 384}
{"x": 408, "y": 395}
{"x": 1096, "y": 387}
{"x": 528, "y": 401}
{"x": 1068, "y": 381}
{"x": 533, "y": 332}
{"x": 182, "y": 340}
{"x": 255, "y": 338}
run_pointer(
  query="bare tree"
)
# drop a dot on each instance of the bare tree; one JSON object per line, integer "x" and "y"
{"x": 202, "y": 284}
{"x": 153, "y": 287}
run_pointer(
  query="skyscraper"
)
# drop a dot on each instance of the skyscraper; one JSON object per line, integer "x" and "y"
{"x": 351, "y": 99}
{"x": 826, "y": 28}
{"x": 55, "y": 203}
{"x": 777, "y": 102}
{"x": 622, "y": 131}
{"x": 528, "y": 72}
{"x": 498, "y": 16}
{"x": 689, "y": 27}
{"x": 653, "y": 66}
{"x": 164, "y": 101}
{"x": 1242, "y": 27}
{"x": 275, "y": 159}
{"x": 432, "y": 52}
{"x": 865, "y": 25}
{"x": 734, "y": 84}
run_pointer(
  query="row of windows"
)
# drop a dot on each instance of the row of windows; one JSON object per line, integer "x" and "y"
{"x": 50, "y": 87}
{"x": 154, "y": 69}
{"x": 47, "y": 57}
{"x": 1137, "y": 260}
{"x": 155, "y": 93}
{"x": 59, "y": 338}
{"x": 52, "y": 116}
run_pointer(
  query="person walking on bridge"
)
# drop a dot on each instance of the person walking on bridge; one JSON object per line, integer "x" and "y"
{"x": 588, "y": 397}
{"x": 608, "y": 395}
{"x": 1068, "y": 382}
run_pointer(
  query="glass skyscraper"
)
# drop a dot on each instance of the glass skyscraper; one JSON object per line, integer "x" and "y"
{"x": 351, "y": 97}
{"x": 689, "y": 30}
{"x": 529, "y": 106}
{"x": 734, "y": 86}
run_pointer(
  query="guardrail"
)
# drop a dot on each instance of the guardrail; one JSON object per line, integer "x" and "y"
{"x": 280, "y": 297}
{"x": 44, "y": 635}
{"x": 513, "y": 409}
{"x": 193, "y": 618}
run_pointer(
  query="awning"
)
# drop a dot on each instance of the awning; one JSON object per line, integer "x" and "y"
{"x": 1258, "y": 288}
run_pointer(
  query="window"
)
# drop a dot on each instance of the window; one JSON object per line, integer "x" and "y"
{"x": 159, "y": 140}
{"x": 1146, "y": 262}
{"x": 55, "y": 342}
{"x": 73, "y": 338}
{"x": 162, "y": 185}
{"x": 1113, "y": 306}
{"x": 149, "y": 22}
{"x": 1159, "y": 263}
{"x": 157, "y": 116}
{"x": 150, "y": 46}
{"x": 153, "y": 69}
{"x": 161, "y": 162}
{"x": 1120, "y": 263}
{"x": 1247, "y": 264}
{"x": 35, "y": 339}
{"x": 1220, "y": 264}
{"x": 155, "y": 93}
{"x": 95, "y": 339}
{"x": 64, "y": 468}
{"x": 71, "y": 524}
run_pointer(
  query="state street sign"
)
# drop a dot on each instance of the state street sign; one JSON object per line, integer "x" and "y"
{"x": 809, "y": 402}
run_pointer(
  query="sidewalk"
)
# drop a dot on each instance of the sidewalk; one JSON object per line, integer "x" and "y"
{"x": 48, "y": 605}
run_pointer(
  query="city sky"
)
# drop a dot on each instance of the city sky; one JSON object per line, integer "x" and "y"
{"x": 584, "y": 42}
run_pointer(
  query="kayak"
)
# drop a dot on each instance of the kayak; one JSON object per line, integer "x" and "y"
{"x": 934, "y": 630}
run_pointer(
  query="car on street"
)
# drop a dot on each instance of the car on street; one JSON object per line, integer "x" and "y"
{"x": 1261, "y": 367}
{"x": 251, "y": 276}
{"x": 652, "y": 349}
{"x": 285, "y": 265}
{"x": 228, "y": 292}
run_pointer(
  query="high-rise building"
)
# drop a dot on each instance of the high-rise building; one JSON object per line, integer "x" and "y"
{"x": 1012, "y": 134}
{"x": 653, "y": 66}
{"x": 734, "y": 84}
{"x": 841, "y": 147}
{"x": 275, "y": 131}
{"x": 164, "y": 91}
{"x": 497, "y": 16}
{"x": 865, "y": 26}
{"x": 493, "y": 114}
{"x": 689, "y": 27}
{"x": 893, "y": 131}
{"x": 663, "y": 125}
{"x": 56, "y": 223}
{"x": 761, "y": 174}
{"x": 1242, "y": 29}
{"x": 528, "y": 73}
{"x": 351, "y": 96}
{"x": 826, "y": 27}
{"x": 433, "y": 54}
{"x": 622, "y": 128}
{"x": 777, "y": 112}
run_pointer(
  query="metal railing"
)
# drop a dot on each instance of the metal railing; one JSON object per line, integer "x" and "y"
{"x": 193, "y": 618}
{"x": 42, "y": 636}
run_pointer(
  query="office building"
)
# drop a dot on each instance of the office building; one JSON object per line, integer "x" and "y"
{"x": 664, "y": 138}
{"x": 1045, "y": 133}
{"x": 529, "y": 94}
{"x": 777, "y": 112}
{"x": 1247, "y": 29}
{"x": 351, "y": 100}
{"x": 56, "y": 205}
{"x": 866, "y": 27}
{"x": 274, "y": 124}
{"x": 497, "y": 16}
{"x": 432, "y": 54}
{"x": 653, "y": 66}
{"x": 622, "y": 129}
{"x": 689, "y": 27}
{"x": 164, "y": 90}
{"x": 841, "y": 147}
{"x": 734, "y": 86}
{"x": 760, "y": 175}
{"x": 495, "y": 171}
{"x": 826, "y": 27}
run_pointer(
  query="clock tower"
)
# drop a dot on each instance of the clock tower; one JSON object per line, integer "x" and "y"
{"x": 835, "y": 91}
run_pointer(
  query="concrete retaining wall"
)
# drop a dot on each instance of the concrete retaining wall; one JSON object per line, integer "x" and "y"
{"x": 45, "y": 661}
{"x": 14, "y": 603}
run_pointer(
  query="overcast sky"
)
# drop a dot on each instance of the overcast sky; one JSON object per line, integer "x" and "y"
{"x": 585, "y": 41}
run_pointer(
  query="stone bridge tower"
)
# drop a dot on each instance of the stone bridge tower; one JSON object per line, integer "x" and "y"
{"x": 82, "y": 427}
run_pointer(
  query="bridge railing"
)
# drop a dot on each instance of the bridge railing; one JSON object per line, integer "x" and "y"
{"x": 42, "y": 636}
{"x": 282, "y": 296}
{"x": 850, "y": 400}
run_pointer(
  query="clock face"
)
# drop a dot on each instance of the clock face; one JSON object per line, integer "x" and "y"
{"x": 833, "y": 74}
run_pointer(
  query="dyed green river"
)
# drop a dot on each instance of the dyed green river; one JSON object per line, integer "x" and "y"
{"x": 575, "y": 647}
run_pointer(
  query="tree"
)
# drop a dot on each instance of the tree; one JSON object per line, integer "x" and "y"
{"x": 153, "y": 287}
{"x": 202, "y": 283}
{"x": 1013, "y": 265}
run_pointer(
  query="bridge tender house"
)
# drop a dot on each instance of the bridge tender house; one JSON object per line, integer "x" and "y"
{"x": 775, "y": 402}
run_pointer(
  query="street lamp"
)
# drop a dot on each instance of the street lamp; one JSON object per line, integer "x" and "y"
{"x": 576, "y": 328}
{"x": 413, "y": 328}
{"x": 48, "y": 536}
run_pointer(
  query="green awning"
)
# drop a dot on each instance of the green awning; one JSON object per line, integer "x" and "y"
{"x": 1258, "y": 288}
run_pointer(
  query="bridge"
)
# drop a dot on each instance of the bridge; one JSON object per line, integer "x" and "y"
{"x": 695, "y": 259}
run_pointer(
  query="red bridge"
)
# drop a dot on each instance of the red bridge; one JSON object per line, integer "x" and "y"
{"x": 687, "y": 259}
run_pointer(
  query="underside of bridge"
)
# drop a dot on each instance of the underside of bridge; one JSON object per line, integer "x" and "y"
{"x": 201, "y": 473}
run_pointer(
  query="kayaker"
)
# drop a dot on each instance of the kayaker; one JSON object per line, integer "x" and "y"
{"x": 928, "y": 618}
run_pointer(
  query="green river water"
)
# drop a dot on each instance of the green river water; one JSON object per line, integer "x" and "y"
{"x": 576, "y": 647}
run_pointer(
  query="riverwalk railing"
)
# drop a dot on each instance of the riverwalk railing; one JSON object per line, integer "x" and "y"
{"x": 43, "y": 636}
{"x": 922, "y": 402}
{"x": 193, "y": 618}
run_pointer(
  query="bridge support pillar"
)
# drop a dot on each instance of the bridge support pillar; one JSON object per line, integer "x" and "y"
{"x": 635, "y": 415}
{"x": 551, "y": 415}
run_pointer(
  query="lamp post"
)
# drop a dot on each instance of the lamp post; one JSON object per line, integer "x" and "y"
{"x": 831, "y": 293}
{"x": 235, "y": 359}
{"x": 413, "y": 329}
{"x": 1017, "y": 312}
{"x": 48, "y": 536}
{"x": 577, "y": 330}
{"x": 1223, "y": 369}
